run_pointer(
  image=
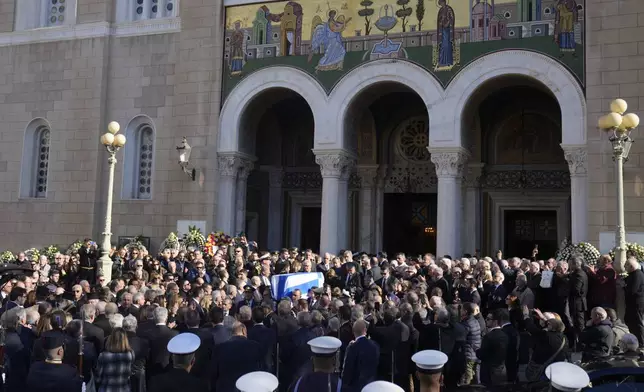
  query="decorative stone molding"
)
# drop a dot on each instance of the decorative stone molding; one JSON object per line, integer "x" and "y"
{"x": 147, "y": 27}
{"x": 335, "y": 165}
{"x": 245, "y": 167}
{"x": 473, "y": 175}
{"x": 577, "y": 158}
{"x": 368, "y": 176}
{"x": 449, "y": 164}
{"x": 228, "y": 165}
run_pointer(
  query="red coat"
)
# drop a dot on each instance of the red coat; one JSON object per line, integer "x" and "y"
{"x": 602, "y": 287}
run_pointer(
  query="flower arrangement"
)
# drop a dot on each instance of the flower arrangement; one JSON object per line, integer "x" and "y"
{"x": 135, "y": 243}
{"x": 74, "y": 248}
{"x": 583, "y": 249}
{"x": 32, "y": 254}
{"x": 7, "y": 257}
{"x": 50, "y": 251}
{"x": 194, "y": 238}
{"x": 171, "y": 242}
{"x": 632, "y": 249}
{"x": 215, "y": 240}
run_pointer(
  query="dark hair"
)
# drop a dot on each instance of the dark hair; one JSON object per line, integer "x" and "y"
{"x": 117, "y": 342}
{"x": 191, "y": 318}
{"x": 469, "y": 307}
{"x": 258, "y": 314}
{"x": 345, "y": 312}
{"x": 17, "y": 292}
{"x": 501, "y": 315}
{"x": 216, "y": 315}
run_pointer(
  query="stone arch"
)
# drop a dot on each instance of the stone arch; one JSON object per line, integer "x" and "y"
{"x": 34, "y": 168}
{"x": 447, "y": 115}
{"x": 265, "y": 79}
{"x": 369, "y": 74}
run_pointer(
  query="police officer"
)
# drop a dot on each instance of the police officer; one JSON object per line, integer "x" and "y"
{"x": 566, "y": 377}
{"x": 257, "y": 382}
{"x": 429, "y": 369}
{"x": 178, "y": 379}
{"x": 382, "y": 386}
{"x": 52, "y": 375}
{"x": 323, "y": 378}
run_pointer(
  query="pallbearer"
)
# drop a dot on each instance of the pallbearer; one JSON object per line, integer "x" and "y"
{"x": 257, "y": 382}
{"x": 429, "y": 369}
{"x": 323, "y": 378}
{"x": 382, "y": 386}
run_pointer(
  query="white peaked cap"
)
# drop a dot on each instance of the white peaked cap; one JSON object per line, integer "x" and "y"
{"x": 184, "y": 343}
{"x": 567, "y": 377}
{"x": 257, "y": 382}
{"x": 429, "y": 359}
{"x": 325, "y": 345}
{"x": 382, "y": 386}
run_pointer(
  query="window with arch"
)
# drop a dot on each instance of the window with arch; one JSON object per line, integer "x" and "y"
{"x": 35, "y": 160}
{"x": 138, "y": 168}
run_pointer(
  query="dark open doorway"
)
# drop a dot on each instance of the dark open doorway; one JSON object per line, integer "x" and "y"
{"x": 410, "y": 223}
{"x": 526, "y": 228}
{"x": 311, "y": 223}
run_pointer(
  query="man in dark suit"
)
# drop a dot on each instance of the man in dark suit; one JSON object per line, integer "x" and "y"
{"x": 234, "y": 358}
{"x": 351, "y": 281}
{"x": 219, "y": 332}
{"x": 385, "y": 280}
{"x": 91, "y": 332}
{"x": 295, "y": 352}
{"x": 17, "y": 298}
{"x": 493, "y": 351}
{"x": 512, "y": 356}
{"x": 180, "y": 378}
{"x": 266, "y": 337}
{"x": 105, "y": 311}
{"x": 141, "y": 348}
{"x": 203, "y": 354}
{"x": 53, "y": 375}
{"x": 158, "y": 338}
{"x": 361, "y": 362}
{"x": 87, "y": 257}
{"x": 496, "y": 296}
{"x": 578, "y": 291}
{"x": 634, "y": 299}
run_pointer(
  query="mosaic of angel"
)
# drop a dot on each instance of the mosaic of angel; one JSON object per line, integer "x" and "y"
{"x": 328, "y": 37}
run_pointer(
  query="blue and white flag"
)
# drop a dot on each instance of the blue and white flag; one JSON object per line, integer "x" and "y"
{"x": 283, "y": 285}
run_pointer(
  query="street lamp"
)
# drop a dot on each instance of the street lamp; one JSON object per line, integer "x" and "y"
{"x": 112, "y": 142}
{"x": 619, "y": 127}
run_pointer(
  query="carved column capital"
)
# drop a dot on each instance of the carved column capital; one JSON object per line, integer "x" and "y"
{"x": 335, "y": 164}
{"x": 245, "y": 167}
{"x": 473, "y": 174}
{"x": 368, "y": 176}
{"x": 228, "y": 165}
{"x": 577, "y": 158}
{"x": 449, "y": 164}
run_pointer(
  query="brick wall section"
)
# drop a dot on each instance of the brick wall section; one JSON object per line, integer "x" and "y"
{"x": 7, "y": 12}
{"x": 43, "y": 81}
{"x": 615, "y": 68}
{"x": 94, "y": 10}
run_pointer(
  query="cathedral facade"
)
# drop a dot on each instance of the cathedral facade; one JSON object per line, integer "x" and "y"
{"x": 444, "y": 126}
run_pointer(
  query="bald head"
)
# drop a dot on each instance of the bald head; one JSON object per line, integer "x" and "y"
{"x": 359, "y": 328}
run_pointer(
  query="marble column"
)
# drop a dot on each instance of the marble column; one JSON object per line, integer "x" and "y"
{"x": 381, "y": 180}
{"x": 366, "y": 213}
{"x": 245, "y": 167}
{"x": 577, "y": 164}
{"x": 228, "y": 166}
{"x": 449, "y": 165}
{"x": 471, "y": 233}
{"x": 335, "y": 167}
{"x": 275, "y": 208}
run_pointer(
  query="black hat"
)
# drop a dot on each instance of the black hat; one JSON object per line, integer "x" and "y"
{"x": 93, "y": 295}
{"x": 42, "y": 291}
{"x": 249, "y": 288}
{"x": 53, "y": 341}
{"x": 318, "y": 290}
{"x": 350, "y": 265}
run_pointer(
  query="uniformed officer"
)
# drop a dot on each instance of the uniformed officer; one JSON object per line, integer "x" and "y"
{"x": 257, "y": 382}
{"x": 323, "y": 378}
{"x": 566, "y": 377}
{"x": 178, "y": 379}
{"x": 382, "y": 386}
{"x": 53, "y": 375}
{"x": 429, "y": 369}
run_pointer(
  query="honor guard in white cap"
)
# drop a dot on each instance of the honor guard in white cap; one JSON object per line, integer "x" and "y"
{"x": 178, "y": 379}
{"x": 429, "y": 369}
{"x": 382, "y": 386}
{"x": 257, "y": 382}
{"x": 566, "y": 377}
{"x": 323, "y": 378}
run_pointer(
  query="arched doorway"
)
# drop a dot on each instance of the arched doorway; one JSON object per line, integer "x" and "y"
{"x": 518, "y": 183}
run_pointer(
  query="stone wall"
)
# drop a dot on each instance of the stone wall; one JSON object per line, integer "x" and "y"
{"x": 614, "y": 68}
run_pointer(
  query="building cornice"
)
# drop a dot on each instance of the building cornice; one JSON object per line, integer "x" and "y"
{"x": 91, "y": 30}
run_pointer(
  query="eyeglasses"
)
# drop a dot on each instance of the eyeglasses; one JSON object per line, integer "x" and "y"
{"x": 139, "y": 266}
{"x": 77, "y": 291}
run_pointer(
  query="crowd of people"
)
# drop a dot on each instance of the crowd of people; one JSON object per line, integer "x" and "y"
{"x": 183, "y": 319}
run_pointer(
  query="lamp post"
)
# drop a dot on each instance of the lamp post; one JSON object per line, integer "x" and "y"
{"x": 112, "y": 143}
{"x": 619, "y": 127}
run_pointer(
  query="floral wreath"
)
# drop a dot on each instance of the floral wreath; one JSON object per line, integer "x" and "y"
{"x": 583, "y": 249}
{"x": 633, "y": 249}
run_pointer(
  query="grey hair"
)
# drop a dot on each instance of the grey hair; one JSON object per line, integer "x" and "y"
{"x": 89, "y": 312}
{"x": 32, "y": 316}
{"x": 442, "y": 316}
{"x": 357, "y": 313}
{"x": 116, "y": 321}
{"x": 130, "y": 323}
{"x": 137, "y": 297}
{"x": 632, "y": 261}
{"x": 100, "y": 307}
{"x": 111, "y": 308}
{"x": 334, "y": 324}
{"x": 245, "y": 313}
{"x": 316, "y": 317}
{"x": 601, "y": 312}
{"x": 304, "y": 319}
{"x": 160, "y": 315}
